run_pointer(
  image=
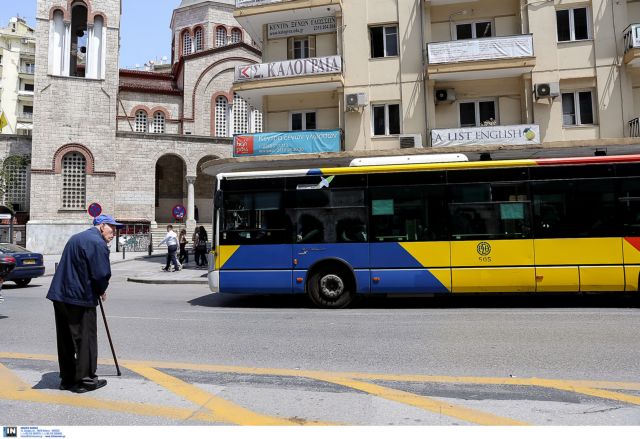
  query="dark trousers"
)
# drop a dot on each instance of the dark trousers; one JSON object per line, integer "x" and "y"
{"x": 201, "y": 255}
{"x": 184, "y": 254}
{"x": 171, "y": 257}
{"x": 77, "y": 343}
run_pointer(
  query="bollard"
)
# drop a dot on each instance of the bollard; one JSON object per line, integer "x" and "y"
{"x": 124, "y": 251}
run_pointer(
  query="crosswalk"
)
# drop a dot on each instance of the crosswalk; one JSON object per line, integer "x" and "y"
{"x": 204, "y": 394}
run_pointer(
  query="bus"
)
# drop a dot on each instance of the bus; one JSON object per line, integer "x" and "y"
{"x": 552, "y": 225}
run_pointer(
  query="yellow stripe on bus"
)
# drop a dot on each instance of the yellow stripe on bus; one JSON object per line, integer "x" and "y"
{"x": 427, "y": 167}
{"x": 224, "y": 254}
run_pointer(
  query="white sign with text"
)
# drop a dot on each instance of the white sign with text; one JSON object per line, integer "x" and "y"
{"x": 296, "y": 28}
{"x": 289, "y": 68}
{"x": 491, "y": 135}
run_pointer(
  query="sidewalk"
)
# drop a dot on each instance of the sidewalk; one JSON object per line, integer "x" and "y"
{"x": 148, "y": 270}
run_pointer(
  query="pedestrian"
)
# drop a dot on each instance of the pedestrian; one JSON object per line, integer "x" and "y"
{"x": 202, "y": 246}
{"x": 184, "y": 254}
{"x": 171, "y": 239}
{"x": 81, "y": 279}
{"x": 7, "y": 264}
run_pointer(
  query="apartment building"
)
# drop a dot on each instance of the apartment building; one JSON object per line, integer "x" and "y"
{"x": 445, "y": 73}
{"x": 17, "y": 68}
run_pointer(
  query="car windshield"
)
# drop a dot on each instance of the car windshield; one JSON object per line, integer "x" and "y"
{"x": 5, "y": 247}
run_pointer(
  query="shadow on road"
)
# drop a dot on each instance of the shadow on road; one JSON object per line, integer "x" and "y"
{"x": 608, "y": 300}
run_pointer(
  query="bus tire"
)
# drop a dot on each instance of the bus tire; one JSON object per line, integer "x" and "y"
{"x": 331, "y": 287}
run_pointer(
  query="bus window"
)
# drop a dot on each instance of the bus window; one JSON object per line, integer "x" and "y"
{"x": 574, "y": 208}
{"x": 629, "y": 203}
{"x": 254, "y": 218}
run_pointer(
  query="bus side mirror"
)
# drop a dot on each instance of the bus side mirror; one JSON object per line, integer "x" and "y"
{"x": 217, "y": 200}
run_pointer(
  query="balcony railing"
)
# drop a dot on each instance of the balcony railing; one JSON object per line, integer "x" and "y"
{"x": 631, "y": 38}
{"x": 480, "y": 49}
{"x": 634, "y": 127}
{"x": 28, "y": 70}
{"x": 25, "y": 116}
{"x": 289, "y": 68}
{"x": 247, "y": 3}
{"x": 487, "y": 135}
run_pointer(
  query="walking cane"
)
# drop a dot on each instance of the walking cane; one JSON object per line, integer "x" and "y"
{"x": 115, "y": 360}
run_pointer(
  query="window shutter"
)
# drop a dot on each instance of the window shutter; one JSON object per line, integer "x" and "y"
{"x": 290, "y": 48}
{"x": 312, "y": 46}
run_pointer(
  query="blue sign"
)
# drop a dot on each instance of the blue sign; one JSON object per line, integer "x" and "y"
{"x": 94, "y": 210}
{"x": 286, "y": 142}
{"x": 178, "y": 211}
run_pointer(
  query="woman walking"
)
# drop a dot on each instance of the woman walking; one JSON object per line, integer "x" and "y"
{"x": 201, "y": 247}
{"x": 184, "y": 254}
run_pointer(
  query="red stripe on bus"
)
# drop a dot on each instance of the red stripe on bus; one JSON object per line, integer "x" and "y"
{"x": 635, "y": 242}
{"x": 586, "y": 160}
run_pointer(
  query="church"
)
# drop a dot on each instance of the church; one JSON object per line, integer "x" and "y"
{"x": 131, "y": 141}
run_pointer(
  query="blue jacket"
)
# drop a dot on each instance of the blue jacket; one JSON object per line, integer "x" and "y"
{"x": 83, "y": 272}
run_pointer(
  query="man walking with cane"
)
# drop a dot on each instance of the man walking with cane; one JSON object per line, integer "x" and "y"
{"x": 80, "y": 281}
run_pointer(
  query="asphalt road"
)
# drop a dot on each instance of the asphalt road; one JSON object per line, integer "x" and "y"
{"x": 190, "y": 357}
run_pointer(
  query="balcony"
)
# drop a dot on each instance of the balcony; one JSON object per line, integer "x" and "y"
{"x": 28, "y": 52}
{"x": 253, "y": 15}
{"x": 307, "y": 75}
{"x": 25, "y": 95}
{"x": 25, "y": 117}
{"x": 481, "y": 58}
{"x": 27, "y": 72}
{"x": 631, "y": 41}
{"x": 634, "y": 127}
{"x": 487, "y": 135}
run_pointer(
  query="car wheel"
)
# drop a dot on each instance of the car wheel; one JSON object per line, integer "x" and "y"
{"x": 331, "y": 288}
{"x": 22, "y": 282}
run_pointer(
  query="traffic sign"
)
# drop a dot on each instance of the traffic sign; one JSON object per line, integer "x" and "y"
{"x": 178, "y": 211}
{"x": 94, "y": 210}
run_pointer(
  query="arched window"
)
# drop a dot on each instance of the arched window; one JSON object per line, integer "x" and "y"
{"x": 79, "y": 40}
{"x": 15, "y": 168}
{"x": 158, "y": 123}
{"x": 186, "y": 43}
{"x": 236, "y": 35}
{"x": 240, "y": 115}
{"x": 57, "y": 51}
{"x": 198, "y": 39}
{"x": 141, "y": 121}
{"x": 221, "y": 36}
{"x": 221, "y": 128}
{"x": 95, "y": 51}
{"x": 74, "y": 181}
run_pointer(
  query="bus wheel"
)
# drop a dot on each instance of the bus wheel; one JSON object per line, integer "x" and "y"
{"x": 330, "y": 288}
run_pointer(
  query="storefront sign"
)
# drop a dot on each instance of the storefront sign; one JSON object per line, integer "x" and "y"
{"x": 478, "y": 49}
{"x": 288, "y": 142}
{"x": 296, "y": 28}
{"x": 289, "y": 68}
{"x": 491, "y": 135}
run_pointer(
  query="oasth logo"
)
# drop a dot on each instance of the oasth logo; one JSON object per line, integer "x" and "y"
{"x": 484, "y": 248}
{"x": 243, "y": 145}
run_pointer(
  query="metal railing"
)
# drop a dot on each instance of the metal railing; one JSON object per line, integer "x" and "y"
{"x": 631, "y": 37}
{"x": 25, "y": 116}
{"x": 634, "y": 127}
{"x": 28, "y": 70}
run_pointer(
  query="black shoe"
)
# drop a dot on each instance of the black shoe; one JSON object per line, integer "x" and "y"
{"x": 165, "y": 269}
{"x": 84, "y": 388}
{"x": 65, "y": 386}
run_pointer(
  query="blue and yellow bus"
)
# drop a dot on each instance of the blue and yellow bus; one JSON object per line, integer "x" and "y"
{"x": 511, "y": 226}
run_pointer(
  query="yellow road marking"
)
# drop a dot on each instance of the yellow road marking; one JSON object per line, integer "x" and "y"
{"x": 432, "y": 405}
{"x": 12, "y": 388}
{"x": 223, "y": 410}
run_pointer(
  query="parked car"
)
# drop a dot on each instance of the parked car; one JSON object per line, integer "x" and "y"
{"x": 28, "y": 264}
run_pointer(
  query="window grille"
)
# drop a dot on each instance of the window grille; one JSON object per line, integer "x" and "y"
{"x": 240, "y": 115}
{"x": 141, "y": 121}
{"x": 16, "y": 189}
{"x": 221, "y": 117}
{"x": 236, "y": 36}
{"x": 221, "y": 36}
{"x": 186, "y": 44}
{"x": 158, "y": 123}
{"x": 74, "y": 183}
{"x": 198, "y": 39}
{"x": 256, "y": 121}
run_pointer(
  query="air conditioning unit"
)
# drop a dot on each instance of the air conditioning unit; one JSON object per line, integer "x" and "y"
{"x": 355, "y": 100}
{"x": 411, "y": 141}
{"x": 447, "y": 95}
{"x": 547, "y": 90}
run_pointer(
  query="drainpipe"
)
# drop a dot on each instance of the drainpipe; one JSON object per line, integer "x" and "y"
{"x": 423, "y": 49}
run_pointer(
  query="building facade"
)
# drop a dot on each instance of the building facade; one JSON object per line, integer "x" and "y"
{"x": 131, "y": 141}
{"x": 445, "y": 73}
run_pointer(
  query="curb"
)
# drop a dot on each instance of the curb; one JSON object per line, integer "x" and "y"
{"x": 168, "y": 281}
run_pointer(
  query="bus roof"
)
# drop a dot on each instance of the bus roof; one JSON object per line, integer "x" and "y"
{"x": 371, "y": 169}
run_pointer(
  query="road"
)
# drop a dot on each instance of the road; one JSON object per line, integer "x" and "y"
{"x": 190, "y": 357}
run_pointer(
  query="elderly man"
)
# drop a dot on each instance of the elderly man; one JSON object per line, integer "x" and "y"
{"x": 80, "y": 281}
